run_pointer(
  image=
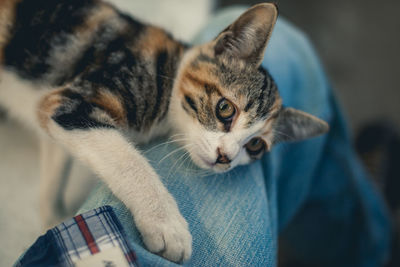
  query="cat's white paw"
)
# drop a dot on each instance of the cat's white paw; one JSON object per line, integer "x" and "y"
{"x": 167, "y": 236}
{"x": 170, "y": 239}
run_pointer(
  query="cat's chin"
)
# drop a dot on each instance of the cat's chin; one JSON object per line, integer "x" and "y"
{"x": 221, "y": 168}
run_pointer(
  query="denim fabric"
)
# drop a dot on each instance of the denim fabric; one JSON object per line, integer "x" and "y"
{"x": 314, "y": 193}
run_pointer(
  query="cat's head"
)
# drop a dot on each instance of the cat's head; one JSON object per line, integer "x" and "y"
{"x": 226, "y": 106}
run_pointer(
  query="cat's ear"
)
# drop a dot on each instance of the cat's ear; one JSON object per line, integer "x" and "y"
{"x": 247, "y": 37}
{"x": 296, "y": 125}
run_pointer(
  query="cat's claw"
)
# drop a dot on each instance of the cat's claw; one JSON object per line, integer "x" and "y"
{"x": 169, "y": 238}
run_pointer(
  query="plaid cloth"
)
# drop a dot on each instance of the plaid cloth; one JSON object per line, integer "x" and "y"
{"x": 79, "y": 238}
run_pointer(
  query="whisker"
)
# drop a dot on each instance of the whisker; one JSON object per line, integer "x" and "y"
{"x": 174, "y": 151}
{"x": 165, "y": 143}
{"x": 172, "y": 168}
{"x": 205, "y": 144}
{"x": 177, "y": 134}
{"x": 186, "y": 161}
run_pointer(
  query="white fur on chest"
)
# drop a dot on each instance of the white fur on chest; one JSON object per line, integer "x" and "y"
{"x": 20, "y": 97}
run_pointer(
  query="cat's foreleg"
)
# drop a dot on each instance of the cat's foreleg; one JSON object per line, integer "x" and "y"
{"x": 54, "y": 171}
{"x": 89, "y": 135}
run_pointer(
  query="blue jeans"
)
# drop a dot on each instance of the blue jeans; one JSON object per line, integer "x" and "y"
{"x": 315, "y": 194}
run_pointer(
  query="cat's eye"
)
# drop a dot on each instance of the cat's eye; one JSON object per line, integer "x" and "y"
{"x": 225, "y": 110}
{"x": 255, "y": 146}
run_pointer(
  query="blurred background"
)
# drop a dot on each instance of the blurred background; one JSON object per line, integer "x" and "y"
{"x": 358, "y": 43}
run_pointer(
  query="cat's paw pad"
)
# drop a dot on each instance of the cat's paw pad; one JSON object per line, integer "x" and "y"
{"x": 169, "y": 238}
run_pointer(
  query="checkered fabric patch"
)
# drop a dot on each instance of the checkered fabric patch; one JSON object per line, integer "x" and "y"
{"x": 94, "y": 236}
{"x": 89, "y": 233}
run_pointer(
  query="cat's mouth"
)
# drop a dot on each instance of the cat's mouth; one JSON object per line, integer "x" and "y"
{"x": 209, "y": 164}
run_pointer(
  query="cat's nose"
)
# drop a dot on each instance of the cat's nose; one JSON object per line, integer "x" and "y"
{"x": 222, "y": 157}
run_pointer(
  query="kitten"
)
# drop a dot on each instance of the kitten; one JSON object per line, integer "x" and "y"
{"x": 90, "y": 78}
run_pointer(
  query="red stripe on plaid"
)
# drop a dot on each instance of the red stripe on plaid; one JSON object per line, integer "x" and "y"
{"x": 87, "y": 235}
{"x": 131, "y": 257}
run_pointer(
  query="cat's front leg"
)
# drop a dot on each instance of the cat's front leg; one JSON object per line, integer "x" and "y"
{"x": 98, "y": 142}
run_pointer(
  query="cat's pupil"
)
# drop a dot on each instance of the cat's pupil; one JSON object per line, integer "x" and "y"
{"x": 224, "y": 107}
{"x": 255, "y": 142}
